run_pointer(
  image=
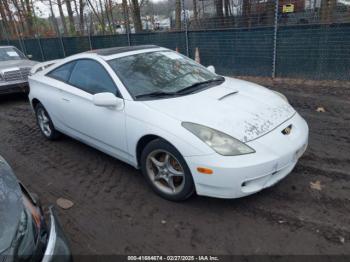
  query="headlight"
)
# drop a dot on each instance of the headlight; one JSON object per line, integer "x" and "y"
{"x": 281, "y": 96}
{"x": 223, "y": 144}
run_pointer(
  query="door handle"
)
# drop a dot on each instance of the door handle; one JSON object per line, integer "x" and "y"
{"x": 65, "y": 99}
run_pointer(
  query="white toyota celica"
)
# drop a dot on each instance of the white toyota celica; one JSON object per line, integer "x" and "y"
{"x": 187, "y": 128}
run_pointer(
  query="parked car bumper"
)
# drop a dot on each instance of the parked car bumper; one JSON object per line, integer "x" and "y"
{"x": 57, "y": 248}
{"x": 14, "y": 87}
{"x": 238, "y": 176}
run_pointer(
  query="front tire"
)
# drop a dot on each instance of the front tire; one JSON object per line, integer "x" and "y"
{"x": 45, "y": 123}
{"x": 166, "y": 171}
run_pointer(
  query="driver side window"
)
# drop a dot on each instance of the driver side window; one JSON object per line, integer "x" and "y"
{"x": 89, "y": 76}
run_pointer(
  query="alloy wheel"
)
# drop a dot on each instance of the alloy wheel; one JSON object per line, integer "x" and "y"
{"x": 165, "y": 172}
{"x": 44, "y": 122}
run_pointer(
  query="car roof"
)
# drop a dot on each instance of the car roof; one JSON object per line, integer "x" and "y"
{"x": 121, "y": 49}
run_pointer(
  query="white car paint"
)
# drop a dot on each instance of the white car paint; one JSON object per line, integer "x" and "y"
{"x": 243, "y": 110}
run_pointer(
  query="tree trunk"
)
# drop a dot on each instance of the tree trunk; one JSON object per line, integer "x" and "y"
{"x": 20, "y": 16}
{"x": 219, "y": 12}
{"x": 178, "y": 15}
{"x": 70, "y": 16}
{"x": 29, "y": 17}
{"x": 81, "y": 16}
{"x": 227, "y": 7}
{"x": 54, "y": 19}
{"x": 63, "y": 20}
{"x": 98, "y": 18}
{"x": 195, "y": 10}
{"x": 10, "y": 19}
{"x": 102, "y": 15}
{"x": 136, "y": 16}
{"x": 4, "y": 22}
{"x": 247, "y": 13}
{"x": 126, "y": 16}
{"x": 327, "y": 8}
{"x": 107, "y": 16}
{"x": 110, "y": 4}
{"x": 219, "y": 8}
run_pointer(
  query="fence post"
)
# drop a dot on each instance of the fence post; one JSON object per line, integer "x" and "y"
{"x": 275, "y": 40}
{"x": 41, "y": 49}
{"x": 126, "y": 22}
{"x": 89, "y": 31}
{"x": 62, "y": 45}
{"x": 186, "y": 27}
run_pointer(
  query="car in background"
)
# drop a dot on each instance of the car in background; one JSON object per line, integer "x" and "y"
{"x": 14, "y": 70}
{"x": 24, "y": 234}
{"x": 187, "y": 128}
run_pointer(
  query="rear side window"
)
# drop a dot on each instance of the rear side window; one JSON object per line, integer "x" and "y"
{"x": 63, "y": 72}
{"x": 90, "y": 76}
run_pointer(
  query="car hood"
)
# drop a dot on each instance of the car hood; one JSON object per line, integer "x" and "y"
{"x": 238, "y": 108}
{"x": 16, "y": 63}
{"x": 11, "y": 205}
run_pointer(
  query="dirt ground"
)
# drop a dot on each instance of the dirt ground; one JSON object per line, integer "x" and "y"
{"x": 115, "y": 212}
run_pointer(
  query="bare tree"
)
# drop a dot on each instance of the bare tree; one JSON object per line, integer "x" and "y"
{"x": 108, "y": 16}
{"x": 29, "y": 17}
{"x": 81, "y": 15}
{"x": 6, "y": 25}
{"x": 227, "y": 7}
{"x": 63, "y": 20}
{"x": 110, "y": 7}
{"x": 101, "y": 21}
{"x": 327, "y": 8}
{"x": 195, "y": 10}
{"x": 54, "y": 18}
{"x": 136, "y": 16}
{"x": 246, "y": 12}
{"x": 126, "y": 15}
{"x": 70, "y": 16}
{"x": 178, "y": 15}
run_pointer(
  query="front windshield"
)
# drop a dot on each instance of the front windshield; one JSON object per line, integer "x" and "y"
{"x": 10, "y": 53}
{"x": 162, "y": 71}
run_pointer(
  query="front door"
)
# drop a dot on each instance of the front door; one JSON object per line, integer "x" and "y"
{"x": 103, "y": 127}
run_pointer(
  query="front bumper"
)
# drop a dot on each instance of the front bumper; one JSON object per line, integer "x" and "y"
{"x": 57, "y": 248}
{"x": 238, "y": 176}
{"x": 14, "y": 87}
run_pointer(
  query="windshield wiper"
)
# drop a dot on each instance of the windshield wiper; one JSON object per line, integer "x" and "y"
{"x": 157, "y": 94}
{"x": 183, "y": 91}
{"x": 199, "y": 85}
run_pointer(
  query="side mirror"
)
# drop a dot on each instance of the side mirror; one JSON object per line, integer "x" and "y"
{"x": 108, "y": 100}
{"x": 30, "y": 56}
{"x": 211, "y": 68}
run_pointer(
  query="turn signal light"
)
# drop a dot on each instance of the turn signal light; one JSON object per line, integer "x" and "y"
{"x": 204, "y": 170}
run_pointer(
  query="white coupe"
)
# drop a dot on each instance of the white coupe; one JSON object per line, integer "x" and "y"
{"x": 187, "y": 128}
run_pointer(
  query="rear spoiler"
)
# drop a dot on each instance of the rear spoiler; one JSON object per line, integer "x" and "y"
{"x": 41, "y": 66}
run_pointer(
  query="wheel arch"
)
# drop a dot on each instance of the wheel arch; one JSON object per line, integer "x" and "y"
{"x": 35, "y": 102}
{"x": 142, "y": 143}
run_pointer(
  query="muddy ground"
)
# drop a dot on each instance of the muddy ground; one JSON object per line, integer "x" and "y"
{"x": 115, "y": 212}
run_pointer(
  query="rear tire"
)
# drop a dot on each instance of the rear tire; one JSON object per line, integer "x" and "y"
{"x": 45, "y": 123}
{"x": 166, "y": 171}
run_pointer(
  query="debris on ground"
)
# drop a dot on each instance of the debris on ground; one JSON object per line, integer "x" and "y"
{"x": 321, "y": 109}
{"x": 64, "y": 203}
{"x": 163, "y": 222}
{"x": 342, "y": 240}
{"x": 316, "y": 185}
